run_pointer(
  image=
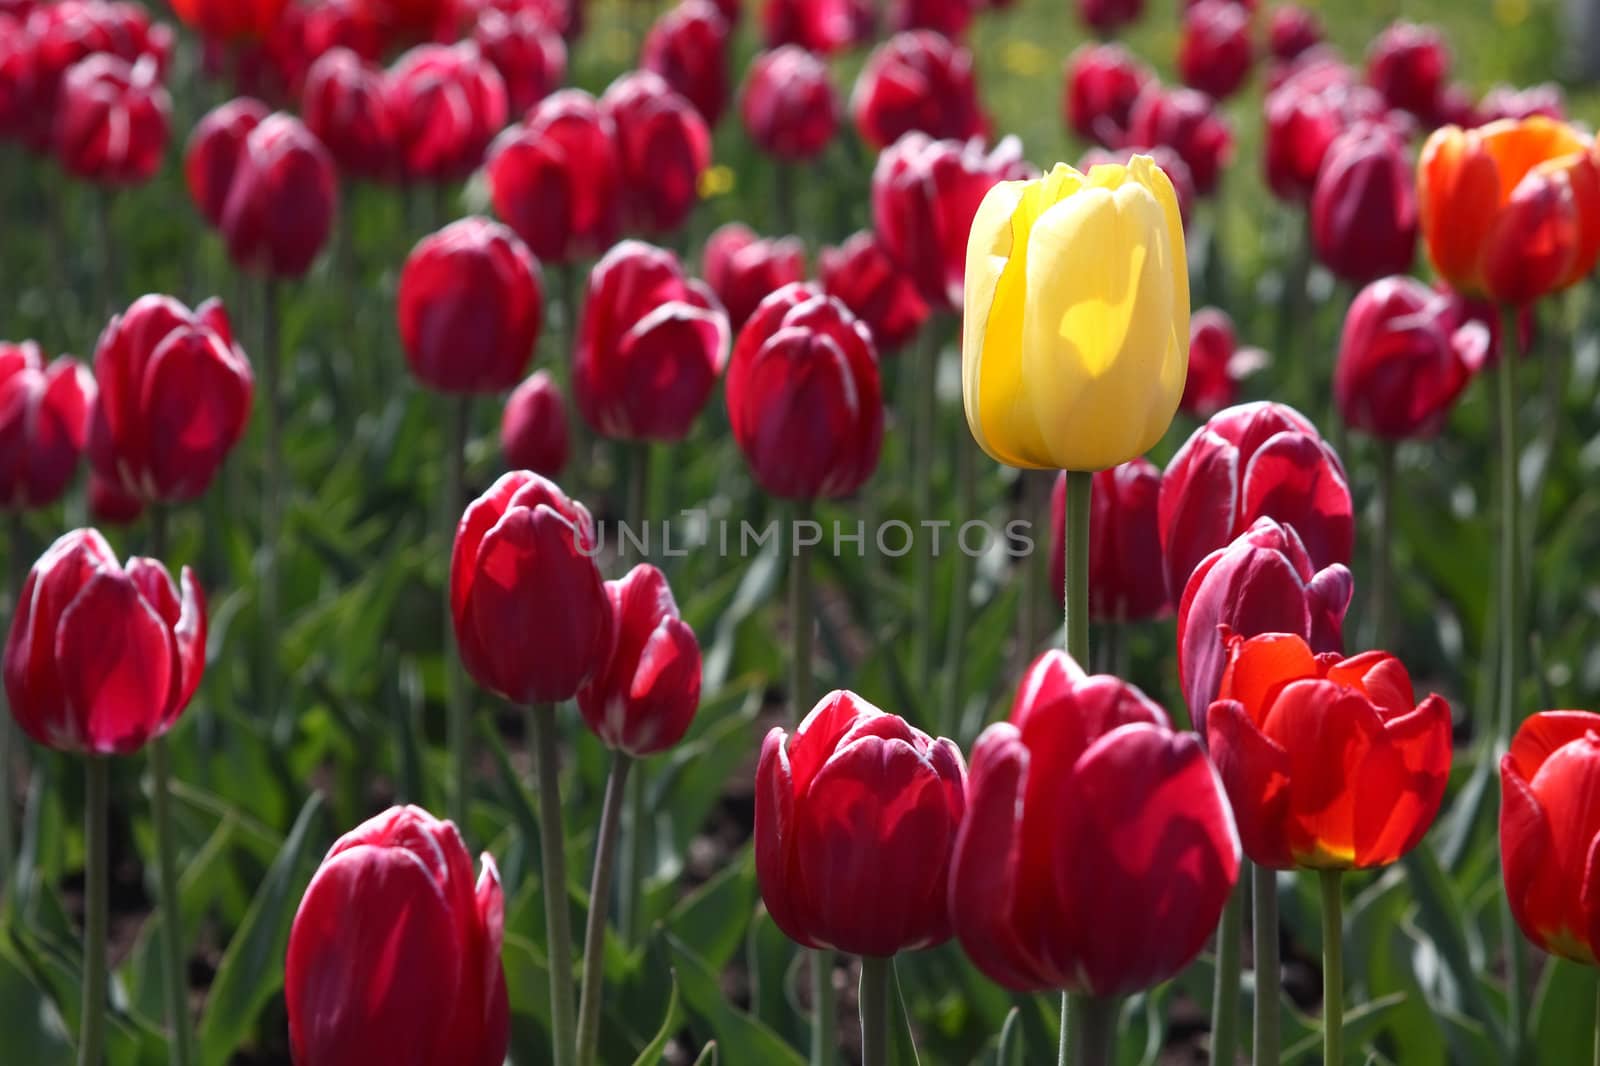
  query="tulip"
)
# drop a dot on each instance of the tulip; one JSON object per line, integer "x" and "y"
{"x": 44, "y": 425}
{"x": 415, "y": 19}
{"x": 1400, "y": 368}
{"x": 688, "y": 47}
{"x": 230, "y": 19}
{"x": 663, "y": 149}
{"x": 1215, "y": 53}
{"x": 1058, "y": 371}
{"x": 1409, "y": 64}
{"x": 948, "y": 18}
{"x": 69, "y": 31}
{"x": 1364, "y": 207}
{"x": 556, "y": 178}
{"x": 651, "y": 346}
{"x": 527, "y": 51}
{"x": 1187, "y": 122}
{"x": 1216, "y": 364}
{"x": 743, "y": 269}
{"x": 1097, "y": 850}
{"x": 822, "y": 27}
{"x": 533, "y": 429}
{"x": 111, "y": 121}
{"x": 174, "y": 398}
{"x": 470, "y": 306}
{"x": 1125, "y": 582}
{"x": 1107, "y": 16}
{"x": 917, "y": 81}
{"x": 804, "y": 397}
{"x": 331, "y": 24}
{"x": 448, "y": 103}
{"x": 212, "y": 154}
{"x": 863, "y": 276}
{"x": 788, "y": 104}
{"x": 394, "y": 953}
{"x": 1170, "y": 162}
{"x": 1304, "y": 116}
{"x": 346, "y": 107}
{"x": 109, "y": 504}
{"x": 1505, "y": 101}
{"x": 1293, "y": 31}
{"x": 280, "y": 207}
{"x": 18, "y": 79}
{"x": 1103, "y": 83}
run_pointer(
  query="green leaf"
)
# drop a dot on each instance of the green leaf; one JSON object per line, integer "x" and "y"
{"x": 902, "y": 1046}
{"x": 746, "y": 1039}
{"x": 1011, "y": 1040}
{"x": 708, "y": 1057}
{"x": 35, "y": 1032}
{"x": 1564, "y": 1013}
{"x": 713, "y": 919}
{"x": 651, "y": 1055}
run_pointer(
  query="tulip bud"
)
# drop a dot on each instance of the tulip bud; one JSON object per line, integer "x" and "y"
{"x": 1107, "y": 16}
{"x": 1103, "y": 83}
{"x": 280, "y": 207}
{"x": 213, "y": 152}
{"x": 1125, "y": 579}
{"x": 1409, "y": 64}
{"x": 346, "y": 106}
{"x": 448, "y": 103}
{"x": 44, "y": 425}
{"x": 663, "y": 148}
{"x": 743, "y": 269}
{"x": 1364, "y": 207}
{"x": 111, "y": 120}
{"x": 394, "y": 953}
{"x": 1293, "y": 31}
{"x": 788, "y": 104}
{"x": 529, "y": 54}
{"x": 230, "y": 20}
{"x": 533, "y": 428}
{"x": 1399, "y": 368}
{"x": 556, "y": 178}
{"x": 1304, "y": 116}
{"x": 1215, "y": 53}
{"x": 864, "y": 277}
{"x": 1215, "y": 364}
{"x": 856, "y": 815}
{"x": 948, "y": 18}
{"x": 821, "y": 27}
{"x": 917, "y": 81}
{"x": 688, "y": 47}
{"x": 1187, "y": 122}
{"x": 102, "y": 658}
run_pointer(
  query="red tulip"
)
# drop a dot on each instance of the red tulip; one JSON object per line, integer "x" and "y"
{"x": 788, "y": 104}
{"x": 1249, "y": 461}
{"x": 651, "y": 346}
{"x": 533, "y": 429}
{"x": 18, "y": 79}
{"x": 822, "y": 27}
{"x": 174, "y": 399}
{"x": 1264, "y": 582}
{"x": 563, "y": 16}
{"x": 64, "y": 33}
{"x": 44, "y": 425}
{"x": 527, "y": 51}
{"x": 856, "y": 815}
{"x": 743, "y": 269}
{"x": 330, "y": 24}
{"x": 1187, "y": 122}
{"x": 532, "y": 619}
{"x": 688, "y": 47}
{"x": 1505, "y": 101}
{"x": 1107, "y": 16}
{"x": 1400, "y": 368}
{"x": 949, "y": 18}
{"x": 1103, "y": 83}
{"x": 864, "y": 277}
{"x": 448, "y": 104}
{"x": 470, "y": 307}
{"x": 1125, "y": 579}
{"x": 1215, "y": 364}
{"x": 1409, "y": 65}
{"x": 644, "y": 699}
{"x": 663, "y": 147}
{"x": 1098, "y": 850}
{"x": 109, "y": 504}
{"x": 346, "y": 106}
{"x": 102, "y": 658}
{"x": 1215, "y": 53}
{"x": 1304, "y": 116}
{"x": 1293, "y": 31}
{"x": 917, "y": 81}
{"x": 1364, "y": 205}
{"x": 1170, "y": 162}
{"x": 111, "y": 120}
{"x": 394, "y": 954}
{"x": 1330, "y": 763}
{"x": 212, "y": 154}
{"x": 230, "y": 19}
{"x": 925, "y": 194}
{"x": 556, "y": 178}
{"x": 416, "y": 19}
{"x": 285, "y": 193}
{"x": 804, "y": 397}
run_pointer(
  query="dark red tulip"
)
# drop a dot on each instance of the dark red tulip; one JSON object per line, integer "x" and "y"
{"x": 1215, "y": 53}
{"x": 174, "y": 398}
{"x": 212, "y": 155}
{"x": 527, "y": 51}
{"x": 532, "y": 619}
{"x": 1400, "y": 368}
{"x": 1215, "y": 364}
{"x": 651, "y": 346}
{"x": 804, "y": 397}
{"x": 230, "y": 19}
{"x": 1098, "y": 850}
{"x": 285, "y": 193}
{"x": 1125, "y": 579}
{"x": 1263, "y": 582}
{"x": 330, "y": 24}
{"x": 102, "y": 658}
{"x": 533, "y": 428}
{"x": 111, "y": 121}
{"x": 44, "y": 425}
{"x": 1304, "y": 116}
{"x": 1293, "y": 31}
{"x": 688, "y": 47}
{"x": 744, "y": 269}
{"x": 1107, "y": 16}
{"x": 566, "y": 17}
{"x": 788, "y": 104}
{"x": 822, "y": 27}
{"x": 1170, "y": 162}
{"x": 394, "y": 953}
{"x": 1409, "y": 64}
{"x": 1103, "y": 83}
{"x": 1505, "y": 101}
{"x": 663, "y": 147}
{"x": 346, "y": 105}
{"x": 949, "y": 18}
{"x": 448, "y": 103}
{"x": 109, "y": 504}
{"x": 856, "y": 816}
{"x": 64, "y": 33}
{"x": 1249, "y": 461}
{"x": 416, "y": 20}
{"x": 19, "y": 76}
{"x": 866, "y": 279}
{"x": 470, "y": 307}
{"x": 1364, "y": 205}
{"x": 645, "y": 698}
{"x": 1187, "y": 122}
{"x": 917, "y": 81}
{"x": 556, "y": 179}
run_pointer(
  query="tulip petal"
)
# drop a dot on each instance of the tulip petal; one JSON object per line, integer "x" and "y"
{"x": 117, "y": 660}
{"x": 1328, "y": 731}
{"x": 1199, "y": 504}
{"x": 1255, "y": 772}
{"x": 1258, "y": 667}
{"x": 1533, "y": 881}
{"x": 1399, "y": 787}
{"x": 1295, "y": 478}
{"x": 1545, "y": 733}
{"x": 782, "y": 888}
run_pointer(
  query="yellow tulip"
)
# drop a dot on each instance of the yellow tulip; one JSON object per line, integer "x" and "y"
{"x": 1075, "y": 343}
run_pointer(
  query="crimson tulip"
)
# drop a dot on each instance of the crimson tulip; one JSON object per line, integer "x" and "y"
{"x": 1409, "y": 64}
{"x": 1187, "y": 122}
{"x": 67, "y": 32}
{"x": 284, "y": 195}
{"x": 44, "y": 424}
{"x": 1292, "y": 31}
{"x": 1304, "y": 116}
{"x": 1170, "y": 162}
{"x": 556, "y": 179}
{"x": 230, "y": 19}
{"x": 102, "y": 658}
{"x": 856, "y": 816}
{"x": 527, "y": 51}
{"x": 111, "y": 120}
{"x": 533, "y": 428}
{"x": 174, "y": 397}
{"x": 1107, "y": 16}
{"x": 1364, "y": 205}
{"x": 330, "y": 24}
{"x": 804, "y": 397}
{"x": 744, "y": 269}
{"x": 1098, "y": 849}
{"x": 109, "y": 504}
{"x": 688, "y": 47}
{"x": 532, "y": 619}
{"x": 1103, "y": 83}
{"x": 1215, "y": 53}
{"x": 788, "y": 104}
{"x": 821, "y": 27}
{"x": 1216, "y": 364}
{"x": 863, "y": 276}
{"x": 346, "y": 106}
{"x": 415, "y": 19}
{"x": 948, "y": 18}
{"x": 663, "y": 148}
{"x": 1400, "y": 367}
{"x": 917, "y": 81}
{"x": 18, "y": 79}
{"x": 212, "y": 154}
{"x": 470, "y": 307}
{"x": 1330, "y": 763}
{"x": 1505, "y": 101}
{"x": 394, "y": 953}
{"x": 1125, "y": 579}
{"x": 1248, "y": 461}
{"x": 448, "y": 103}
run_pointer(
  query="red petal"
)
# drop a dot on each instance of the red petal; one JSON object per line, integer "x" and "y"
{"x": 117, "y": 659}
{"x": 1262, "y": 665}
{"x": 781, "y": 887}
{"x": 1542, "y": 734}
{"x": 1533, "y": 881}
{"x": 1255, "y": 772}
{"x": 1399, "y": 789}
{"x": 1328, "y": 732}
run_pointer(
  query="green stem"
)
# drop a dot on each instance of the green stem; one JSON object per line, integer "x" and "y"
{"x": 16, "y": 562}
{"x": 1264, "y": 937}
{"x": 458, "y": 414}
{"x": 630, "y": 887}
{"x": 1382, "y": 563}
{"x": 91, "y": 1041}
{"x": 961, "y": 592}
{"x": 1225, "y": 985}
{"x": 553, "y": 859}
{"x": 1094, "y": 1030}
{"x": 925, "y": 383}
{"x": 1064, "y": 1053}
{"x": 824, "y": 1018}
{"x": 800, "y": 620}
{"x": 1510, "y": 573}
{"x": 172, "y": 954}
{"x": 1079, "y": 485}
{"x": 1332, "y": 968}
{"x": 1597, "y": 1023}
{"x": 594, "y": 935}
{"x": 874, "y": 1005}
{"x": 271, "y": 511}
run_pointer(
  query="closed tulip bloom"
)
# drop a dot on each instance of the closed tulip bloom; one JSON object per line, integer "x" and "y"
{"x": 212, "y": 154}
{"x": 1103, "y": 82}
{"x": 1098, "y": 848}
{"x": 744, "y": 269}
{"x": 804, "y": 396}
{"x": 64, "y": 33}
{"x": 1215, "y": 53}
{"x": 651, "y": 346}
{"x": 688, "y": 47}
{"x": 281, "y": 205}
{"x": 1400, "y": 368}
{"x": 663, "y": 148}
{"x": 1215, "y": 365}
{"x": 19, "y": 75}
{"x": 1065, "y": 368}
{"x": 532, "y": 619}
{"x": 949, "y": 18}
{"x": 1304, "y": 117}
{"x": 1506, "y": 101}
{"x": 1409, "y": 64}
{"x": 1107, "y": 16}
{"x": 821, "y": 27}
{"x": 1263, "y": 582}
{"x": 533, "y": 427}
{"x": 1170, "y": 162}
{"x": 111, "y": 122}
{"x": 527, "y": 51}
{"x": 788, "y": 104}
{"x": 1125, "y": 579}
{"x": 1248, "y": 461}
{"x": 1187, "y": 122}
{"x": 856, "y": 816}
{"x": 346, "y": 106}
{"x": 644, "y": 700}
{"x": 917, "y": 81}
{"x": 174, "y": 398}
{"x": 865, "y": 278}
{"x": 1364, "y": 205}
{"x": 1292, "y": 31}
{"x": 230, "y": 19}
{"x": 44, "y": 425}
{"x": 331, "y": 24}
{"x": 394, "y": 952}
{"x": 102, "y": 658}
{"x": 556, "y": 178}
{"x": 1331, "y": 763}
{"x": 448, "y": 103}
{"x": 470, "y": 307}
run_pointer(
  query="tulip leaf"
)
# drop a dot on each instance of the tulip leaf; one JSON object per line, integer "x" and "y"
{"x": 1564, "y": 1013}
{"x": 745, "y": 1038}
{"x": 708, "y": 1057}
{"x": 651, "y": 1055}
{"x": 1010, "y": 1053}
{"x": 713, "y": 919}
{"x": 902, "y": 1045}
{"x": 1360, "y": 1024}
{"x": 35, "y": 1032}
